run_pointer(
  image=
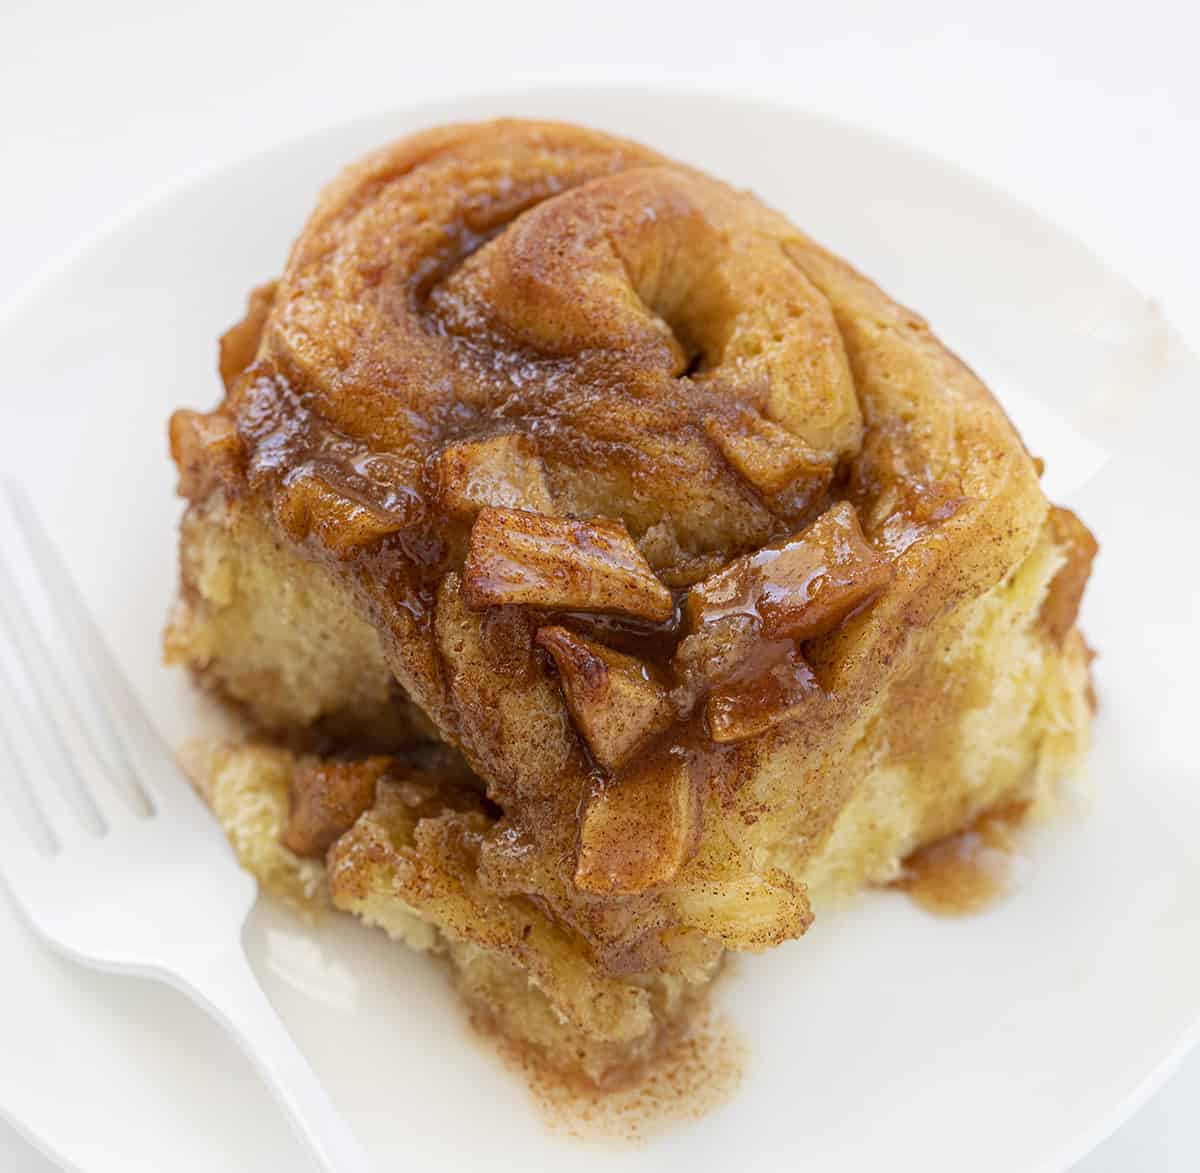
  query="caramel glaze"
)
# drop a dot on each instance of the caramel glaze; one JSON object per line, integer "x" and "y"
{"x": 671, "y": 349}
{"x": 967, "y": 871}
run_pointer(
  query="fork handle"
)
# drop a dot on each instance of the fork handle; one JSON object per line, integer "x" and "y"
{"x": 229, "y": 991}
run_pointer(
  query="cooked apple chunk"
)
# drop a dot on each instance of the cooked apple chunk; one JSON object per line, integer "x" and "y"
{"x": 614, "y": 700}
{"x": 799, "y": 588}
{"x": 326, "y": 799}
{"x": 521, "y": 558}
{"x": 345, "y": 522}
{"x": 766, "y": 455}
{"x": 502, "y": 471}
{"x": 771, "y": 686}
{"x": 204, "y": 447}
{"x": 640, "y": 828}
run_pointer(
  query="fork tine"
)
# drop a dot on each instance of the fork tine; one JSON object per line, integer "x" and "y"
{"x": 95, "y": 731}
{"x": 53, "y": 703}
{"x": 133, "y": 736}
{"x": 101, "y": 792}
{"x": 24, "y": 813}
{"x": 18, "y": 719}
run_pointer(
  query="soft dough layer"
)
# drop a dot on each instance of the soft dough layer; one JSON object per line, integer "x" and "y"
{"x": 279, "y": 636}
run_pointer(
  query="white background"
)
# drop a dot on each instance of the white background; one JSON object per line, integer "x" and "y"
{"x": 1094, "y": 120}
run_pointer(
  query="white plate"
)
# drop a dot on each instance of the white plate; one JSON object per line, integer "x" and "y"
{"x": 886, "y": 1038}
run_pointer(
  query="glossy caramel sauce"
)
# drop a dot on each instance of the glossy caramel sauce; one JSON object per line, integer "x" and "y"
{"x": 966, "y": 872}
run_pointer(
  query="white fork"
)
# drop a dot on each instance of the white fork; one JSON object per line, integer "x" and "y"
{"x": 144, "y": 883}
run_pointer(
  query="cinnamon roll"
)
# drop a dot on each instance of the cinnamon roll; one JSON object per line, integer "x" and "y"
{"x": 723, "y": 585}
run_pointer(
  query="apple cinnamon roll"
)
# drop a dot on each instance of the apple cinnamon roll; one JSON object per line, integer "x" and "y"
{"x": 724, "y": 585}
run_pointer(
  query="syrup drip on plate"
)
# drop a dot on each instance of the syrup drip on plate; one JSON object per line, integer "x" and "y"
{"x": 966, "y": 872}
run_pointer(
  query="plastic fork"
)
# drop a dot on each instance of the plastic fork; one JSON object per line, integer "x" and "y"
{"x": 109, "y": 852}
